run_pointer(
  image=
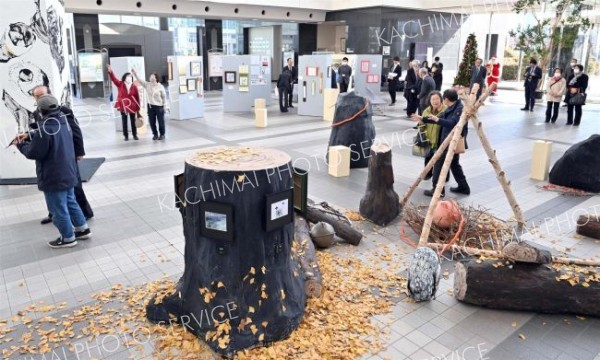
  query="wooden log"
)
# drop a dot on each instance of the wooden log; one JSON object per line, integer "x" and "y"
{"x": 234, "y": 267}
{"x": 527, "y": 252}
{"x": 342, "y": 228}
{"x": 307, "y": 257}
{"x": 380, "y": 203}
{"x": 589, "y": 225}
{"x": 527, "y": 287}
{"x": 470, "y": 251}
{"x": 500, "y": 174}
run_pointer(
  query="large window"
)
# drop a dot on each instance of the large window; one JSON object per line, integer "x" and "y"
{"x": 185, "y": 36}
{"x": 146, "y": 21}
{"x": 233, "y": 35}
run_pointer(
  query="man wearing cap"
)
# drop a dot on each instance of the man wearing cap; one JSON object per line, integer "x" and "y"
{"x": 51, "y": 146}
{"x": 84, "y": 205}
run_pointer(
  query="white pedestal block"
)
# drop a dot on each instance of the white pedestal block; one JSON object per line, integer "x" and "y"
{"x": 330, "y": 98}
{"x": 260, "y": 118}
{"x": 339, "y": 161}
{"x": 260, "y": 104}
{"x": 540, "y": 160}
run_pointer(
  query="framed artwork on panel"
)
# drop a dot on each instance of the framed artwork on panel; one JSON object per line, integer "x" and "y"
{"x": 183, "y": 89}
{"x": 179, "y": 185}
{"x": 191, "y": 84}
{"x": 230, "y": 77}
{"x": 170, "y": 68}
{"x": 195, "y": 68}
{"x": 300, "y": 179}
{"x": 280, "y": 209}
{"x": 216, "y": 220}
{"x": 364, "y": 66}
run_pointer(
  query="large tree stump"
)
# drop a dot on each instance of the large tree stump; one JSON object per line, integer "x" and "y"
{"x": 380, "y": 203}
{"x": 304, "y": 250}
{"x": 528, "y": 287}
{"x": 342, "y": 228}
{"x": 252, "y": 276}
{"x": 353, "y": 127}
{"x": 589, "y": 225}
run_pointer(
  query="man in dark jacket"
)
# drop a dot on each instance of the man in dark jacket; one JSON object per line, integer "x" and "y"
{"x": 393, "y": 77}
{"x": 284, "y": 86}
{"x": 38, "y": 91}
{"x": 533, "y": 74}
{"x": 448, "y": 120}
{"x": 436, "y": 70}
{"x": 427, "y": 86}
{"x": 478, "y": 75}
{"x": 410, "y": 84}
{"x": 344, "y": 75}
{"x": 51, "y": 146}
{"x": 293, "y": 79}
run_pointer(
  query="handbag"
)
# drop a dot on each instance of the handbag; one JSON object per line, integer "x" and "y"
{"x": 460, "y": 147}
{"x": 577, "y": 99}
{"x": 139, "y": 120}
{"x": 421, "y": 139}
{"x": 420, "y": 151}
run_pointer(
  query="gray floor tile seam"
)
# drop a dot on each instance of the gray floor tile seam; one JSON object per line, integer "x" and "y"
{"x": 117, "y": 147}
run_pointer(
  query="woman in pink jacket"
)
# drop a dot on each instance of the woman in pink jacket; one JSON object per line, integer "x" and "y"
{"x": 128, "y": 101}
{"x": 555, "y": 89}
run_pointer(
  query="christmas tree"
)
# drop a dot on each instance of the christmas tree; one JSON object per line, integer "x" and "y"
{"x": 463, "y": 77}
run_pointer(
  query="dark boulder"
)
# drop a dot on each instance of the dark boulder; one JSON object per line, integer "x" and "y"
{"x": 579, "y": 167}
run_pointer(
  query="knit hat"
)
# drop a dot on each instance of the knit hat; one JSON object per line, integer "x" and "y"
{"x": 47, "y": 103}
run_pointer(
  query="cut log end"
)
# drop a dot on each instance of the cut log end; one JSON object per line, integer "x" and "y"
{"x": 527, "y": 252}
{"x": 380, "y": 148}
{"x": 460, "y": 281}
{"x": 313, "y": 288}
{"x": 589, "y": 225}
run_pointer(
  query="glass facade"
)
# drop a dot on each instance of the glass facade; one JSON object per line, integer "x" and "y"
{"x": 185, "y": 35}
{"x": 233, "y": 35}
{"x": 146, "y": 21}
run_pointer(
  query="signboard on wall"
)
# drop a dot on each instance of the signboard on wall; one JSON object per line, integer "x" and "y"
{"x": 90, "y": 67}
{"x": 215, "y": 64}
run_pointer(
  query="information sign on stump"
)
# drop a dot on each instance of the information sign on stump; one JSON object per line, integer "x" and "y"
{"x": 381, "y": 204}
{"x": 353, "y": 127}
{"x": 239, "y": 288}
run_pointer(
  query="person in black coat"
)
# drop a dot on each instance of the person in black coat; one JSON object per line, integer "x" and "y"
{"x": 436, "y": 70}
{"x": 427, "y": 87}
{"x": 568, "y": 74}
{"x": 393, "y": 77}
{"x": 478, "y": 74}
{"x": 412, "y": 86}
{"x": 533, "y": 74}
{"x": 294, "y": 79}
{"x": 78, "y": 147}
{"x": 51, "y": 146}
{"x": 577, "y": 84}
{"x": 284, "y": 86}
{"x": 448, "y": 120}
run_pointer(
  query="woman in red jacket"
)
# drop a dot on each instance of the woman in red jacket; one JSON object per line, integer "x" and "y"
{"x": 128, "y": 101}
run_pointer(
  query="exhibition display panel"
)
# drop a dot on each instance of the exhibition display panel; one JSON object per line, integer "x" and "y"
{"x": 186, "y": 90}
{"x": 246, "y": 78}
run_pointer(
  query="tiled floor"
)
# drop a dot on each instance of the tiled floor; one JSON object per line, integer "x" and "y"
{"x": 138, "y": 234}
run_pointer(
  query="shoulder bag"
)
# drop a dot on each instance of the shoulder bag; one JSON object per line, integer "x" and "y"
{"x": 577, "y": 99}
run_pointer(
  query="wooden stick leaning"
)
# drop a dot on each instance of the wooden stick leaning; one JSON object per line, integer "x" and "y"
{"x": 438, "y": 154}
{"x": 496, "y": 253}
{"x": 500, "y": 174}
{"x": 470, "y": 108}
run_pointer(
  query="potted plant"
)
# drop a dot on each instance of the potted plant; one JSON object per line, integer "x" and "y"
{"x": 540, "y": 38}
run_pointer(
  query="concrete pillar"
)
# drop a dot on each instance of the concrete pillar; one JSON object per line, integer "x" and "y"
{"x": 33, "y": 51}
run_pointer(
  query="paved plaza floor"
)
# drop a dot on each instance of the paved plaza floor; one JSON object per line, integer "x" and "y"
{"x": 138, "y": 234}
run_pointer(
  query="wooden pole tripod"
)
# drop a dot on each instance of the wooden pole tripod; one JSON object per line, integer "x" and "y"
{"x": 450, "y": 143}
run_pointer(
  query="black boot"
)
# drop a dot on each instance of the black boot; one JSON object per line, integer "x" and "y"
{"x": 461, "y": 189}
{"x": 430, "y": 193}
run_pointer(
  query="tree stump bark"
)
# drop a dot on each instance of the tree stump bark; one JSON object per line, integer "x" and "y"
{"x": 527, "y": 287}
{"x": 353, "y": 127}
{"x": 305, "y": 252}
{"x": 248, "y": 276}
{"x": 381, "y": 204}
{"x": 342, "y": 229}
{"x": 589, "y": 225}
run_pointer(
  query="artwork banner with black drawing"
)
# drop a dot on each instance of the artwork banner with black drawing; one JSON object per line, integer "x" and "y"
{"x": 32, "y": 52}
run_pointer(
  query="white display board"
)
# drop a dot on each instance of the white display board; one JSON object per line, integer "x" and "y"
{"x": 186, "y": 89}
{"x": 33, "y": 52}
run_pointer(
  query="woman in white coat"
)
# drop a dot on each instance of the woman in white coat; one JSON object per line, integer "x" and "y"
{"x": 555, "y": 89}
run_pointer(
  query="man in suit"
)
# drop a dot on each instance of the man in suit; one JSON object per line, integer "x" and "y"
{"x": 478, "y": 74}
{"x": 568, "y": 75}
{"x": 533, "y": 74}
{"x": 410, "y": 84}
{"x": 436, "y": 70}
{"x": 284, "y": 86}
{"x": 293, "y": 78}
{"x": 427, "y": 86}
{"x": 344, "y": 74}
{"x": 393, "y": 77}
{"x": 80, "y": 197}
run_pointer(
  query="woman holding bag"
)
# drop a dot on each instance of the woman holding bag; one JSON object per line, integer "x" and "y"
{"x": 576, "y": 85}
{"x": 157, "y": 104}
{"x": 555, "y": 89}
{"x": 128, "y": 101}
{"x": 431, "y": 130}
